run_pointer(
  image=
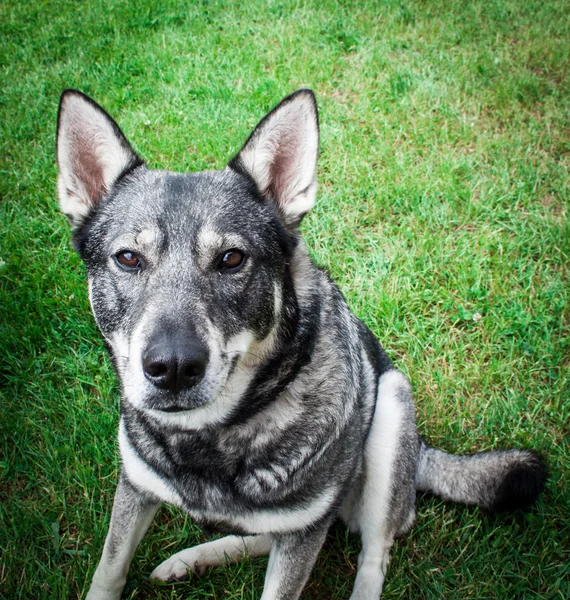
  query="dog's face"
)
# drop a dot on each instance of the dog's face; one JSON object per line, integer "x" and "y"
{"x": 186, "y": 271}
{"x": 187, "y": 286}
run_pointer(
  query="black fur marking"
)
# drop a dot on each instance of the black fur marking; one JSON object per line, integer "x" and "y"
{"x": 298, "y": 334}
{"x": 376, "y": 354}
{"x": 522, "y": 485}
{"x": 81, "y": 235}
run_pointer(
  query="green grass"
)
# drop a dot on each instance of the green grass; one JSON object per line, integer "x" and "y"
{"x": 444, "y": 193}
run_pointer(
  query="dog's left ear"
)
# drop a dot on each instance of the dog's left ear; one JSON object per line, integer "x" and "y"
{"x": 281, "y": 156}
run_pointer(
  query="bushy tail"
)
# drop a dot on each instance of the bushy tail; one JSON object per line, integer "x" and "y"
{"x": 496, "y": 481}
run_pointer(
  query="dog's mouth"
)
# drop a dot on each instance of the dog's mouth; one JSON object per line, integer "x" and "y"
{"x": 174, "y": 409}
{"x": 178, "y": 404}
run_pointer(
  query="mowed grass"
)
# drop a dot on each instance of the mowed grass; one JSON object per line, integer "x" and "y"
{"x": 443, "y": 214}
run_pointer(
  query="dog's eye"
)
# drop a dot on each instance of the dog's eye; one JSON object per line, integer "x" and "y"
{"x": 231, "y": 261}
{"x": 128, "y": 260}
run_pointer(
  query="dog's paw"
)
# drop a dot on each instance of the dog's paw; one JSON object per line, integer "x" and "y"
{"x": 179, "y": 566}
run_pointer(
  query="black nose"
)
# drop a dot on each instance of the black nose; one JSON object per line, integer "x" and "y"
{"x": 174, "y": 364}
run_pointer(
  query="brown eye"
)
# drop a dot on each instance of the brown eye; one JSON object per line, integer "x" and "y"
{"x": 231, "y": 260}
{"x": 128, "y": 260}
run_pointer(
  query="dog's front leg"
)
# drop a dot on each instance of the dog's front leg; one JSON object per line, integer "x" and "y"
{"x": 291, "y": 561}
{"x": 132, "y": 514}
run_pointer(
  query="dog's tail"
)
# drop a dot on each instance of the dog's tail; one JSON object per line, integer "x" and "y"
{"x": 496, "y": 481}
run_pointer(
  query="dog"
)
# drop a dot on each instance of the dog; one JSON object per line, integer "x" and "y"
{"x": 251, "y": 396}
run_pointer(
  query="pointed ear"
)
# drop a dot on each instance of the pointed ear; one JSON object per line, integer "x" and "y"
{"x": 92, "y": 154}
{"x": 281, "y": 156}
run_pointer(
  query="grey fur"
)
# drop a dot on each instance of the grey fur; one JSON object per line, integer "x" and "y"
{"x": 251, "y": 396}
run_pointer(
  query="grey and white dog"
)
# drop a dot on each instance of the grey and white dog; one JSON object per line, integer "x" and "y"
{"x": 251, "y": 396}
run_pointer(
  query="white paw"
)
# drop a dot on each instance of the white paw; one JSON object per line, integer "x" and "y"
{"x": 178, "y": 566}
{"x": 369, "y": 579}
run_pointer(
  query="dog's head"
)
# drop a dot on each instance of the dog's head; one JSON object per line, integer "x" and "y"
{"x": 186, "y": 271}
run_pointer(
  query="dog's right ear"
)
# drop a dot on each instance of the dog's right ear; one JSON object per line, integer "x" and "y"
{"x": 92, "y": 154}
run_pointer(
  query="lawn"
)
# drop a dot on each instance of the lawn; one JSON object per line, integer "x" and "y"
{"x": 443, "y": 213}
